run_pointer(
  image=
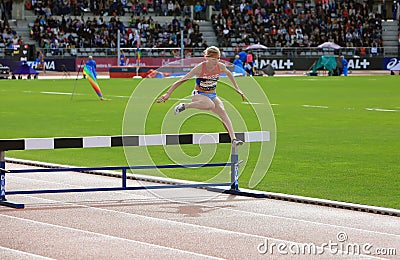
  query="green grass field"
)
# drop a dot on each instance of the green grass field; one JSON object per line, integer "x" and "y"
{"x": 337, "y": 137}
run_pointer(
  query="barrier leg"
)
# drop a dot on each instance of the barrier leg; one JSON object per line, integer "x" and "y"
{"x": 2, "y": 177}
{"x": 234, "y": 190}
{"x": 123, "y": 178}
{"x": 3, "y": 200}
{"x": 234, "y": 167}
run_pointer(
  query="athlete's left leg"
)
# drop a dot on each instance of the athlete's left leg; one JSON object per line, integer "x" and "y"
{"x": 219, "y": 109}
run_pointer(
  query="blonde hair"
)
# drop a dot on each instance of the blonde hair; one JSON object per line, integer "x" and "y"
{"x": 211, "y": 51}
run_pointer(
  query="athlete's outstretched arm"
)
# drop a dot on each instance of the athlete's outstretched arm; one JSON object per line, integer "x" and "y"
{"x": 189, "y": 75}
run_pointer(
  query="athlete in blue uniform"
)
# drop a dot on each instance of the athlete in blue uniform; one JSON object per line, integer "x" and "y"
{"x": 345, "y": 66}
{"x": 122, "y": 58}
{"x": 204, "y": 94}
{"x": 91, "y": 64}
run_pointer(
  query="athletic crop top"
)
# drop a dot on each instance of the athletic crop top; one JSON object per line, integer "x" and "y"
{"x": 207, "y": 80}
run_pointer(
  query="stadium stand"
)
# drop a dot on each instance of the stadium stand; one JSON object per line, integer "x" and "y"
{"x": 76, "y": 27}
{"x": 299, "y": 24}
{"x": 56, "y": 28}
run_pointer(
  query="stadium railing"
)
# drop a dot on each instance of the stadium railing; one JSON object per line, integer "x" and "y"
{"x": 228, "y": 52}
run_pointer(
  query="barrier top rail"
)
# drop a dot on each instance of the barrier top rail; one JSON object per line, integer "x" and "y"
{"x": 128, "y": 140}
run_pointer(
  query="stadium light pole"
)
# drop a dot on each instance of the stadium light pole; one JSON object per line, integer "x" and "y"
{"x": 118, "y": 46}
{"x": 182, "y": 48}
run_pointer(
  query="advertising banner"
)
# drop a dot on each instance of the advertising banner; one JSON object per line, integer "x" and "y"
{"x": 355, "y": 63}
{"x": 391, "y": 64}
{"x": 50, "y": 64}
{"x": 289, "y": 64}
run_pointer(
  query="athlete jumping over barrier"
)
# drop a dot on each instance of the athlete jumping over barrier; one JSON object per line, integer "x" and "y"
{"x": 204, "y": 95}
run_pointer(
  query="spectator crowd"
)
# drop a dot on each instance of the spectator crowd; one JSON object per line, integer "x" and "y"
{"x": 73, "y": 31}
{"x": 273, "y": 23}
{"x": 292, "y": 24}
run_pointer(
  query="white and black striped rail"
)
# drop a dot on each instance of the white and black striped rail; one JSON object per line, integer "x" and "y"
{"x": 131, "y": 140}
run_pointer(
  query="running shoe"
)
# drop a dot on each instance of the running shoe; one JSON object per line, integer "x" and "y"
{"x": 179, "y": 108}
{"x": 237, "y": 142}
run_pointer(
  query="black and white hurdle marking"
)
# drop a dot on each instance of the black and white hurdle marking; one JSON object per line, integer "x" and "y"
{"x": 133, "y": 140}
{"x": 130, "y": 140}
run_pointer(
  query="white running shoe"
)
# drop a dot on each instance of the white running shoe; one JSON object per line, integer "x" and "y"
{"x": 237, "y": 142}
{"x": 179, "y": 108}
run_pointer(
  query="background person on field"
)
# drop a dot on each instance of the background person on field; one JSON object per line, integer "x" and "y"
{"x": 238, "y": 66}
{"x": 344, "y": 66}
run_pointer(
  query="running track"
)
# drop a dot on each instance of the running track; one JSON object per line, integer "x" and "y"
{"x": 179, "y": 224}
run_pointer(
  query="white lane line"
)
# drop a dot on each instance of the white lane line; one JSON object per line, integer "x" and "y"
{"x": 222, "y": 208}
{"x": 230, "y": 231}
{"x": 218, "y": 230}
{"x": 120, "y": 96}
{"x": 108, "y": 236}
{"x": 381, "y": 109}
{"x": 312, "y": 106}
{"x": 23, "y": 253}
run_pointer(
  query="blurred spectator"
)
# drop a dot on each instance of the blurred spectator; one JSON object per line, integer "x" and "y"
{"x": 384, "y": 10}
{"x": 5, "y": 10}
{"x": 395, "y": 7}
{"x": 197, "y": 11}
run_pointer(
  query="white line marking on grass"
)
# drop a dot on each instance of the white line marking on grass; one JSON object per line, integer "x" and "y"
{"x": 252, "y": 103}
{"x": 119, "y": 96}
{"x": 312, "y": 106}
{"x": 56, "y": 93}
{"x": 381, "y": 109}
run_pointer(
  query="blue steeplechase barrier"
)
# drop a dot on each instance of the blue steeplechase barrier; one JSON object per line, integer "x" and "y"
{"x": 137, "y": 140}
